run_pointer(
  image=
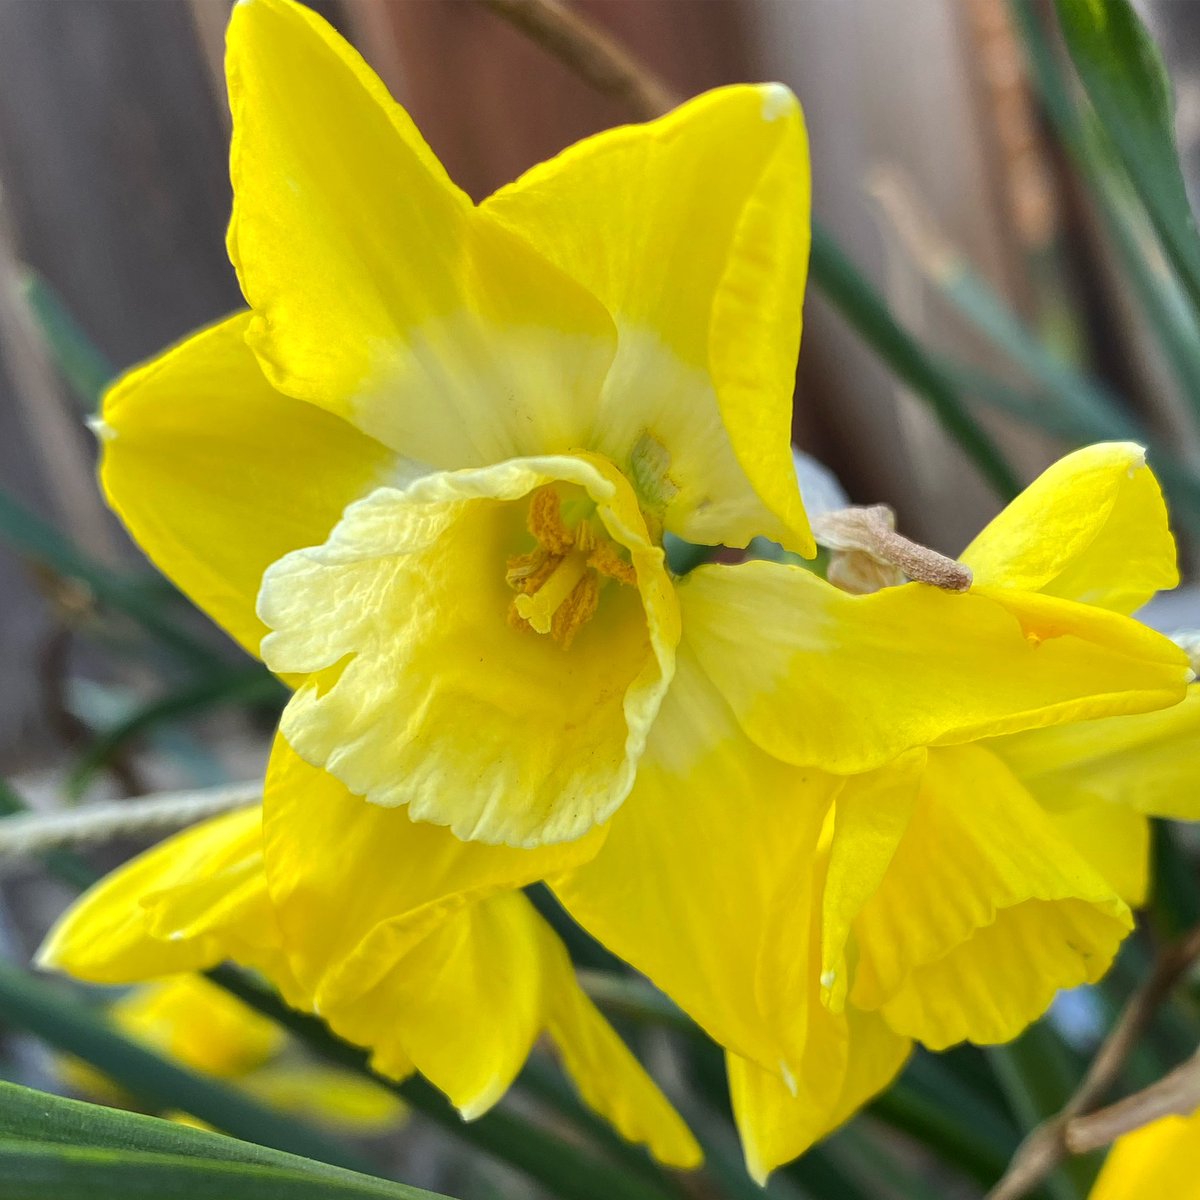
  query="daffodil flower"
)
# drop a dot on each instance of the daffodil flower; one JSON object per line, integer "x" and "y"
{"x": 1160, "y": 1159}
{"x": 427, "y": 477}
{"x": 958, "y": 889}
{"x": 463, "y": 1004}
{"x": 199, "y": 1025}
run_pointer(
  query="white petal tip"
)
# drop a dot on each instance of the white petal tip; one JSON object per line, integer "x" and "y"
{"x": 102, "y": 429}
{"x": 778, "y": 101}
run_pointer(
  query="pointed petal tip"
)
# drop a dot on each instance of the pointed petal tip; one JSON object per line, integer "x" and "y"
{"x": 778, "y": 101}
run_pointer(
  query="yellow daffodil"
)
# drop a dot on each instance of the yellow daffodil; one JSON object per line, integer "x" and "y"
{"x": 427, "y": 477}
{"x": 428, "y": 474}
{"x": 203, "y": 1027}
{"x": 964, "y": 886}
{"x": 463, "y": 1004}
{"x": 1160, "y": 1159}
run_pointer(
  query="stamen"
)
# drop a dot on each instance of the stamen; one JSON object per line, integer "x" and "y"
{"x": 538, "y": 608}
{"x": 560, "y": 580}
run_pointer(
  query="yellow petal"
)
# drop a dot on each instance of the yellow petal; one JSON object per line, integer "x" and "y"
{"x": 105, "y": 936}
{"x": 198, "y": 1024}
{"x": 1093, "y": 528}
{"x": 846, "y": 682}
{"x": 703, "y": 883}
{"x": 777, "y": 1124}
{"x": 870, "y": 816}
{"x": 1160, "y": 1159}
{"x": 608, "y": 1076}
{"x": 466, "y": 1004}
{"x": 338, "y": 1099}
{"x": 349, "y": 915}
{"x": 693, "y": 231}
{"x": 217, "y": 475}
{"x": 1113, "y": 839}
{"x": 1146, "y": 762}
{"x": 437, "y": 701}
{"x": 379, "y": 291}
{"x": 984, "y": 912}
{"x": 480, "y": 971}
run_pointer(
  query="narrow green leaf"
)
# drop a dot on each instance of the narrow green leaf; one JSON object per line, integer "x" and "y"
{"x": 1127, "y": 84}
{"x": 1168, "y": 316}
{"x": 49, "y": 1122}
{"x": 41, "y": 1008}
{"x": 81, "y": 363}
{"x": 566, "y": 1170}
{"x": 30, "y": 1171}
{"x": 975, "y": 1151}
{"x": 38, "y": 540}
{"x": 858, "y": 303}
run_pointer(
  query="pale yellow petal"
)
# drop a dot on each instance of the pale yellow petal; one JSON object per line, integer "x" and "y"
{"x": 436, "y": 700}
{"x": 464, "y": 1006}
{"x": 1093, "y": 527}
{"x": 217, "y": 475}
{"x": 846, "y": 682}
{"x": 378, "y": 290}
{"x": 693, "y": 230}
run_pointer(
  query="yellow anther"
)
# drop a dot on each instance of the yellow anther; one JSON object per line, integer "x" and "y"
{"x": 538, "y": 608}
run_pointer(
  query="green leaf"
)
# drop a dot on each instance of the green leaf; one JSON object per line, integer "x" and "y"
{"x": 40, "y": 541}
{"x": 855, "y": 299}
{"x": 566, "y": 1170}
{"x": 81, "y": 363}
{"x": 44, "y": 1133}
{"x": 1166, "y": 309}
{"x": 43, "y": 1009}
{"x": 1127, "y": 84}
{"x": 34, "y": 1172}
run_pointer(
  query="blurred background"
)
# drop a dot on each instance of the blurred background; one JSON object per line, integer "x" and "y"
{"x": 988, "y": 290}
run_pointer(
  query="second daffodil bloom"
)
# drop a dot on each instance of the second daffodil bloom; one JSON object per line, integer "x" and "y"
{"x": 957, "y": 890}
{"x": 196, "y": 1023}
{"x": 427, "y": 476}
{"x": 462, "y": 1001}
